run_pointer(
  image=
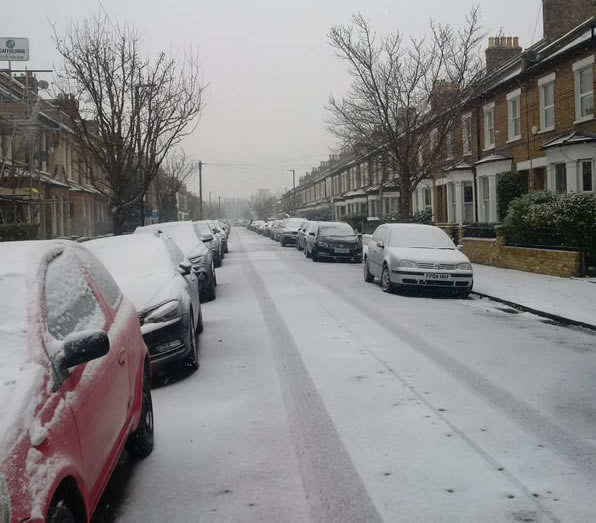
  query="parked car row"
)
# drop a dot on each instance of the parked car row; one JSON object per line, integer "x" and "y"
{"x": 402, "y": 256}
{"x": 85, "y": 328}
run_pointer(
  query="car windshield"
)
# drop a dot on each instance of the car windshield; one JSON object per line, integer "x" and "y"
{"x": 336, "y": 229}
{"x": 420, "y": 237}
{"x": 183, "y": 235}
{"x": 292, "y": 222}
{"x": 203, "y": 228}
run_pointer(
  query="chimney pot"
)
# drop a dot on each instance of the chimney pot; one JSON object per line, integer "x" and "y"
{"x": 516, "y": 41}
{"x": 509, "y": 41}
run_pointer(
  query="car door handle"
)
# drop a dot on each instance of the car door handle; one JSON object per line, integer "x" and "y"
{"x": 122, "y": 358}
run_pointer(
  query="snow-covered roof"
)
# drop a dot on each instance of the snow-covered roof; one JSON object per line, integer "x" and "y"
{"x": 494, "y": 157}
{"x": 459, "y": 166}
{"x": 573, "y": 138}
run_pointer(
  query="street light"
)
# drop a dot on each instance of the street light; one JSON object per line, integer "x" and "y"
{"x": 293, "y": 191}
{"x": 137, "y": 106}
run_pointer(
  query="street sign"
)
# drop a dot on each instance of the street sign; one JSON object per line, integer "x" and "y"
{"x": 14, "y": 49}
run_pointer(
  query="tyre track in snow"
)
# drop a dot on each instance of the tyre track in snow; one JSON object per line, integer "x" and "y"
{"x": 577, "y": 451}
{"x": 335, "y": 491}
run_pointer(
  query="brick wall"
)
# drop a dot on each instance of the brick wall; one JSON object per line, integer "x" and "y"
{"x": 542, "y": 261}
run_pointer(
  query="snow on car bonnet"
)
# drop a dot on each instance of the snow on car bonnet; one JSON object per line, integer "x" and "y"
{"x": 20, "y": 375}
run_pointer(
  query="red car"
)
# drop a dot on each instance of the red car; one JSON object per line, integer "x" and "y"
{"x": 75, "y": 382}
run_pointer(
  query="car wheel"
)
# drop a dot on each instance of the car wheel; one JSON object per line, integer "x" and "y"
{"x": 200, "y": 325}
{"x": 217, "y": 260}
{"x": 282, "y": 243}
{"x": 386, "y": 284}
{"x": 140, "y": 442}
{"x": 192, "y": 359}
{"x": 464, "y": 294}
{"x": 314, "y": 256}
{"x": 368, "y": 277}
{"x": 306, "y": 252}
{"x": 60, "y": 513}
{"x": 210, "y": 295}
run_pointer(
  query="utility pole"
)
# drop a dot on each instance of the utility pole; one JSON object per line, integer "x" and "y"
{"x": 293, "y": 191}
{"x": 209, "y": 214}
{"x": 219, "y": 207}
{"x": 200, "y": 190}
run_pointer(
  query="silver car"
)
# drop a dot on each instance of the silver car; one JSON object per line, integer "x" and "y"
{"x": 416, "y": 256}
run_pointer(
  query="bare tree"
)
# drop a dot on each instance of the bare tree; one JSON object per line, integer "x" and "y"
{"x": 261, "y": 205}
{"x": 401, "y": 93}
{"x": 176, "y": 171}
{"x": 126, "y": 111}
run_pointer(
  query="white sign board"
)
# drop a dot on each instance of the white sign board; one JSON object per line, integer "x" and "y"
{"x": 14, "y": 49}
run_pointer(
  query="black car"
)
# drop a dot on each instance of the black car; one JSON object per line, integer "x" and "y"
{"x": 333, "y": 241}
{"x": 288, "y": 230}
{"x": 211, "y": 240}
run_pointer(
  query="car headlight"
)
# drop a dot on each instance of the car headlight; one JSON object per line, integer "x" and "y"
{"x": 407, "y": 263}
{"x": 164, "y": 312}
{"x": 464, "y": 266}
{"x": 322, "y": 244}
{"x": 4, "y": 502}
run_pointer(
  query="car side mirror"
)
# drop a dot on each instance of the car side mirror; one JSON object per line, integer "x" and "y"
{"x": 83, "y": 347}
{"x": 207, "y": 238}
{"x": 380, "y": 245}
{"x": 460, "y": 248}
{"x": 184, "y": 268}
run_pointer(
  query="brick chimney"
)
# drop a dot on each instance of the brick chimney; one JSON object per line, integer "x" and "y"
{"x": 561, "y": 16}
{"x": 500, "y": 50}
{"x": 442, "y": 95}
{"x": 69, "y": 104}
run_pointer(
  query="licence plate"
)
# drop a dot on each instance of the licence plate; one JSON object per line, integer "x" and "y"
{"x": 342, "y": 251}
{"x": 436, "y": 276}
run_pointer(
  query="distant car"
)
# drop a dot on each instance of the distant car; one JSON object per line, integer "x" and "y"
{"x": 211, "y": 240}
{"x": 274, "y": 234}
{"x": 300, "y": 237}
{"x": 218, "y": 230}
{"x": 164, "y": 292}
{"x": 75, "y": 382}
{"x": 288, "y": 230}
{"x": 334, "y": 241}
{"x": 404, "y": 255}
{"x": 188, "y": 238}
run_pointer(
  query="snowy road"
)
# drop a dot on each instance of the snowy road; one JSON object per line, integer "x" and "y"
{"x": 319, "y": 398}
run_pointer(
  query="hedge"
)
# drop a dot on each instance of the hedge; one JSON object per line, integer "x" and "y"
{"x": 19, "y": 231}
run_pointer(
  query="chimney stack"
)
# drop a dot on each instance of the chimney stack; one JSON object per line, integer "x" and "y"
{"x": 500, "y": 50}
{"x": 561, "y": 16}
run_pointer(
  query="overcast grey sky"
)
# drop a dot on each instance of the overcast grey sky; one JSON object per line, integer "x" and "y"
{"x": 269, "y": 67}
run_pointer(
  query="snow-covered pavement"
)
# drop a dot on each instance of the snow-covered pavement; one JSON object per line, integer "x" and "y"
{"x": 571, "y": 299}
{"x": 320, "y": 398}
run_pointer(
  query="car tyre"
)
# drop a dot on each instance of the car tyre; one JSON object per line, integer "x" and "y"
{"x": 217, "y": 260}
{"x": 192, "y": 359}
{"x": 368, "y": 277}
{"x": 282, "y": 243}
{"x": 60, "y": 513}
{"x": 386, "y": 284}
{"x": 306, "y": 253}
{"x": 315, "y": 257}
{"x": 140, "y": 442}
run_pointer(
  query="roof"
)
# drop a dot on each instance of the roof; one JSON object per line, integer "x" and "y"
{"x": 494, "y": 157}
{"x": 459, "y": 166}
{"x": 574, "y": 138}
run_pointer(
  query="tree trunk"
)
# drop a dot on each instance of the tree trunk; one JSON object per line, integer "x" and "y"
{"x": 405, "y": 201}
{"x": 119, "y": 220}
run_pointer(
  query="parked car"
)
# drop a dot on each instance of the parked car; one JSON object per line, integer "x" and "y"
{"x": 333, "y": 240}
{"x": 187, "y": 237}
{"x": 288, "y": 230}
{"x": 300, "y": 237}
{"x": 75, "y": 378}
{"x": 218, "y": 230}
{"x": 164, "y": 292}
{"x": 211, "y": 240}
{"x": 405, "y": 255}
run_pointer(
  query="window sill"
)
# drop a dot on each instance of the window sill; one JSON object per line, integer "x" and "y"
{"x": 490, "y": 148}
{"x": 514, "y": 139}
{"x": 547, "y": 130}
{"x": 584, "y": 119}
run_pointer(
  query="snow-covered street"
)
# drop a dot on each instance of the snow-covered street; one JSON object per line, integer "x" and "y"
{"x": 320, "y": 398}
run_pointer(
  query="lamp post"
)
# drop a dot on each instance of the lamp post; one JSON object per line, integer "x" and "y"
{"x": 293, "y": 191}
{"x": 137, "y": 105}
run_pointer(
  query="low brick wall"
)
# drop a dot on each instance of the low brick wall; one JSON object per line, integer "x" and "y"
{"x": 542, "y": 261}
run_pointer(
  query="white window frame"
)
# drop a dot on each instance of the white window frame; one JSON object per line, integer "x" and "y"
{"x": 513, "y": 97}
{"x": 467, "y": 205}
{"x": 485, "y": 198}
{"x": 489, "y": 126}
{"x": 452, "y": 197}
{"x": 578, "y": 68}
{"x": 427, "y": 206}
{"x": 543, "y": 84}
{"x": 580, "y": 175}
{"x": 563, "y": 185}
{"x": 466, "y": 134}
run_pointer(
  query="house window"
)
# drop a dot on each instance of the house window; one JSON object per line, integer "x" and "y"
{"x": 449, "y": 145}
{"x": 466, "y": 129}
{"x": 468, "y": 202}
{"x": 546, "y": 86}
{"x": 452, "y": 204}
{"x": 560, "y": 178}
{"x": 489, "y": 126}
{"x": 586, "y": 175}
{"x": 428, "y": 203}
{"x": 514, "y": 114}
{"x": 584, "y": 89}
{"x": 485, "y": 198}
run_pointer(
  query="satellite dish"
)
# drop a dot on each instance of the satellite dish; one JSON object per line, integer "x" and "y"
{"x": 42, "y": 84}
